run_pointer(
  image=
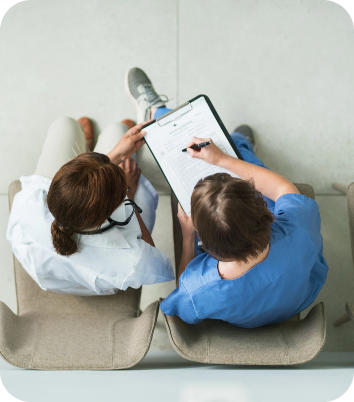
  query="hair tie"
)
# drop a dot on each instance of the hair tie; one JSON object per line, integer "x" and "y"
{"x": 63, "y": 227}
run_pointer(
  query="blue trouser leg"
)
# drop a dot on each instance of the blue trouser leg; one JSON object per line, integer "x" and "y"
{"x": 248, "y": 155}
{"x": 161, "y": 111}
{"x": 242, "y": 141}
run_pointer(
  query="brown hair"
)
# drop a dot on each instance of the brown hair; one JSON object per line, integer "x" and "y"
{"x": 83, "y": 194}
{"x": 231, "y": 217}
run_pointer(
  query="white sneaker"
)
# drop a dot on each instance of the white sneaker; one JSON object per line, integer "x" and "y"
{"x": 140, "y": 90}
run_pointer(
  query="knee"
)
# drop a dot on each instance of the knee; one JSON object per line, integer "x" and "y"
{"x": 117, "y": 128}
{"x": 114, "y": 130}
{"x": 66, "y": 123}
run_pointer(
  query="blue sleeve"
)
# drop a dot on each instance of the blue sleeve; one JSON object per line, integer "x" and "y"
{"x": 294, "y": 210}
{"x": 179, "y": 303}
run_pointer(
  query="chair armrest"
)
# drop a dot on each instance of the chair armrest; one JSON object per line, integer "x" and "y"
{"x": 17, "y": 337}
{"x": 350, "y": 310}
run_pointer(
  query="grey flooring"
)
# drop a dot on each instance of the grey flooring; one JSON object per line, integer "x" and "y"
{"x": 282, "y": 66}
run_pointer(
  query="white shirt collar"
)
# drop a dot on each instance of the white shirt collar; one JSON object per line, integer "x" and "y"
{"x": 113, "y": 238}
{"x": 35, "y": 214}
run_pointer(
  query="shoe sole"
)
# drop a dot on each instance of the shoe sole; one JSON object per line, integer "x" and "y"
{"x": 140, "y": 117}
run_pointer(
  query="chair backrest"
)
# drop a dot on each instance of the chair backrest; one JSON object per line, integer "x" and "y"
{"x": 304, "y": 189}
{"x": 31, "y": 298}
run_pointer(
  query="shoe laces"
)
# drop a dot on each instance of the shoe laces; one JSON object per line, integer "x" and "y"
{"x": 153, "y": 97}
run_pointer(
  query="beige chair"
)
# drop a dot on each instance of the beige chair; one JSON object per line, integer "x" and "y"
{"x": 53, "y": 331}
{"x": 342, "y": 188}
{"x": 349, "y": 190}
{"x": 214, "y": 341}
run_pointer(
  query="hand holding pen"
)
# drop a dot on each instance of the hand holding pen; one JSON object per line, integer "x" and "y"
{"x": 210, "y": 153}
{"x": 196, "y": 146}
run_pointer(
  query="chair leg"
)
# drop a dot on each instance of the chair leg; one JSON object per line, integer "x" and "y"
{"x": 342, "y": 188}
{"x": 342, "y": 320}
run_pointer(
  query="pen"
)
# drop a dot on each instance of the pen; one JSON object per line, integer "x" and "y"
{"x": 195, "y": 146}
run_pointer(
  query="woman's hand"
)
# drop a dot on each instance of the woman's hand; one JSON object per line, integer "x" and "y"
{"x": 132, "y": 174}
{"x": 210, "y": 154}
{"x": 186, "y": 223}
{"x": 131, "y": 141}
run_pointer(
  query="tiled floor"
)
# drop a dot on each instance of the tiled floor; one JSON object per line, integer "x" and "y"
{"x": 283, "y": 66}
{"x": 339, "y": 287}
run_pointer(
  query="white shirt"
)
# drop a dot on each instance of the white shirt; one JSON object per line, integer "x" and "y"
{"x": 106, "y": 262}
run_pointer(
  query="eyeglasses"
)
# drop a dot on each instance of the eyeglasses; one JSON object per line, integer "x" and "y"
{"x": 112, "y": 222}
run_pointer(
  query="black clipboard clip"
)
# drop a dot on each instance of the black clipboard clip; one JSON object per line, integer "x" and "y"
{"x": 180, "y": 110}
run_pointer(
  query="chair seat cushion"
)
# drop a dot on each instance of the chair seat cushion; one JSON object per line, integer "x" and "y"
{"x": 213, "y": 341}
{"x": 73, "y": 341}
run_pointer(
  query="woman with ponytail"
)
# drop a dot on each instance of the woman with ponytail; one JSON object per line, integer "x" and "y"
{"x": 93, "y": 187}
{"x": 82, "y": 223}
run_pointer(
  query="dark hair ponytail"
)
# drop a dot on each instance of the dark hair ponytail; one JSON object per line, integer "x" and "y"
{"x": 83, "y": 194}
{"x": 64, "y": 241}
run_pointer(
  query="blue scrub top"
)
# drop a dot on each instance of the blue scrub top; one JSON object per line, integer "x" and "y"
{"x": 284, "y": 284}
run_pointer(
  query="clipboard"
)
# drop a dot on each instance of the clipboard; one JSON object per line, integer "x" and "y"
{"x": 180, "y": 112}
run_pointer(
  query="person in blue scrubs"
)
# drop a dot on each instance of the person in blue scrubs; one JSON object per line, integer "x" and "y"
{"x": 263, "y": 259}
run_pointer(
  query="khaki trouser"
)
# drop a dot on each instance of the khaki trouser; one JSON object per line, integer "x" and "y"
{"x": 66, "y": 139}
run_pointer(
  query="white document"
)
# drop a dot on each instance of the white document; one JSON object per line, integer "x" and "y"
{"x": 167, "y": 140}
